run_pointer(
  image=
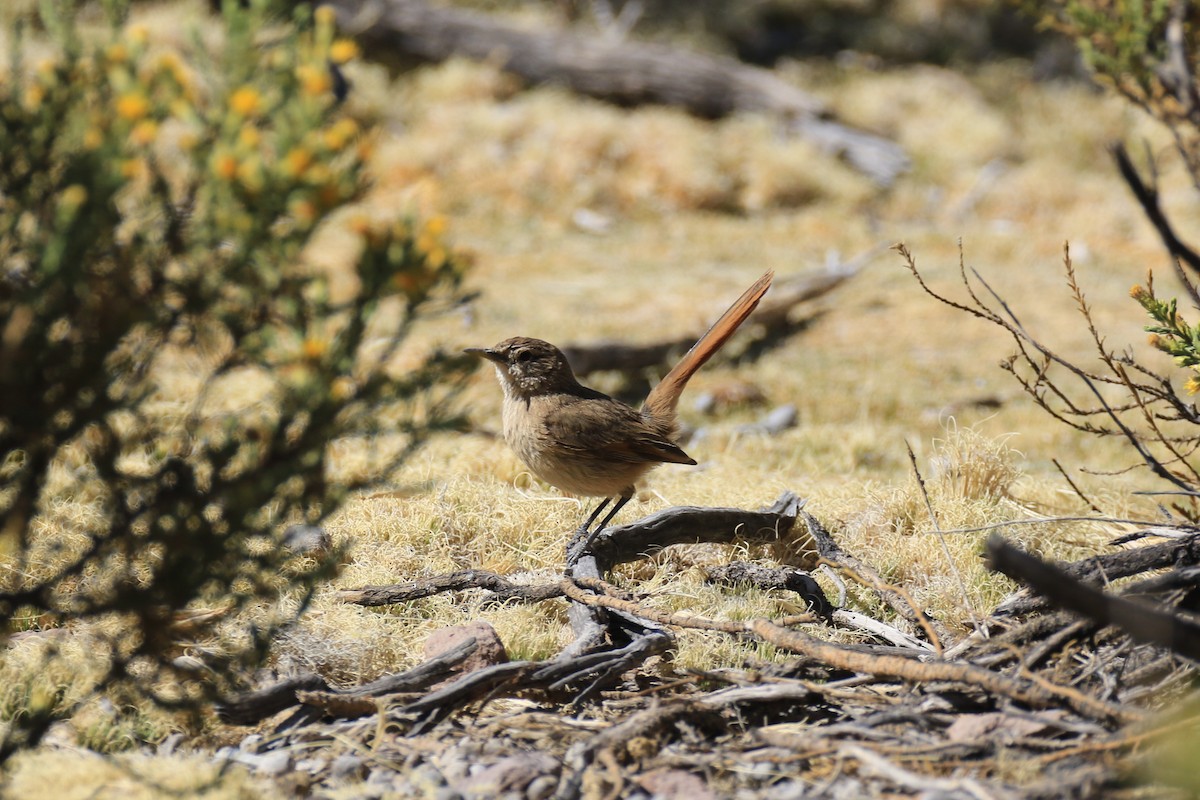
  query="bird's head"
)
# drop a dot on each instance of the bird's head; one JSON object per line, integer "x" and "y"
{"x": 528, "y": 367}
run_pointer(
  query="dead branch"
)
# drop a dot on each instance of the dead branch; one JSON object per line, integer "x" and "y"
{"x": 1035, "y": 695}
{"x": 253, "y": 707}
{"x": 595, "y": 594}
{"x": 1111, "y": 567}
{"x": 693, "y": 525}
{"x": 1143, "y": 623}
{"x": 1147, "y": 197}
{"x": 772, "y": 319}
{"x": 622, "y": 72}
{"x": 502, "y": 590}
{"x": 773, "y": 578}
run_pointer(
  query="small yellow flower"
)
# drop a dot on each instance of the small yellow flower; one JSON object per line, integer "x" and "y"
{"x": 250, "y": 175}
{"x": 1192, "y": 385}
{"x": 435, "y": 225}
{"x": 318, "y": 175}
{"x": 338, "y": 134}
{"x": 249, "y": 137}
{"x": 138, "y": 34}
{"x": 343, "y": 50}
{"x": 169, "y": 62}
{"x": 117, "y": 53}
{"x": 314, "y": 349}
{"x": 1154, "y": 340}
{"x": 132, "y": 106}
{"x": 34, "y": 95}
{"x": 246, "y": 101}
{"x": 73, "y": 196}
{"x": 144, "y": 132}
{"x": 297, "y": 160}
{"x": 342, "y": 389}
{"x": 225, "y": 166}
{"x": 304, "y": 212}
{"x": 314, "y": 81}
{"x": 1137, "y": 292}
{"x": 436, "y": 257}
{"x": 133, "y": 168}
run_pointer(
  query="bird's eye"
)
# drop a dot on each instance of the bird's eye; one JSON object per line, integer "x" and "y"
{"x": 522, "y": 356}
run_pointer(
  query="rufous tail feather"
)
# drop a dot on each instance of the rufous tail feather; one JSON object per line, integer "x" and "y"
{"x": 665, "y": 396}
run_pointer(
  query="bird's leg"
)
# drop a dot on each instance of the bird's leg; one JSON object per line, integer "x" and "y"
{"x": 582, "y": 531}
{"x": 587, "y": 526}
{"x": 584, "y": 537}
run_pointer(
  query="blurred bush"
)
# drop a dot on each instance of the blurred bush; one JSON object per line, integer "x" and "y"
{"x": 178, "y": 382}
{"x": 765, "y": 31}
{"x": 1144, "y": 50}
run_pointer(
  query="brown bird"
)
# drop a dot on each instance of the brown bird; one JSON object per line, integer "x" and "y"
{"x": 585, "y": 442}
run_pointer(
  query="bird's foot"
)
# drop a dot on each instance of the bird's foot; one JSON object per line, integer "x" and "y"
{"x": 579, "y": 543}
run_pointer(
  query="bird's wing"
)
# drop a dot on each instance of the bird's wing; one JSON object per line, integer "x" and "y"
{"x": 606, "y": 429}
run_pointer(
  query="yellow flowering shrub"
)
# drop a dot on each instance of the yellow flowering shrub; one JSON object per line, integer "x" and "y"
{"x": 163, "y": 336}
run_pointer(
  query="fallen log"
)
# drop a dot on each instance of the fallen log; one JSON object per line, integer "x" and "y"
{"x": 622, "y": 72}
{"x": 772, "y": 317}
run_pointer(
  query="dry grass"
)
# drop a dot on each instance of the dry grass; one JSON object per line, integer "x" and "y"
{"x": 697, "y": 210}
{"x": 76, "y": 774}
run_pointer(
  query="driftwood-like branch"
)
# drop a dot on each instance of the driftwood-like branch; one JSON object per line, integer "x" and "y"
{"x": 622, "y": 72}
{"x": 253, "y": 707}
{"x": 1147, "y": 197}
{"x": 1037, "y": 695}
{"x": 772, "y": 318}
{"x": 502, "y": 590}
{"x": 692, "y": 525}
{"x": 1142, "y": 622}
{"x": 1112, "y": 566}
{"x": 785, "y": 578}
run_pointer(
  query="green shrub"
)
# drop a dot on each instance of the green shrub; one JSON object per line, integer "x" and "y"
{"x": 179, "y": 382}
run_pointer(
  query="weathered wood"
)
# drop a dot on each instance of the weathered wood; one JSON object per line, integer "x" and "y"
{"x": 692, "y": 525}
{"x": 1112, "y": 566}
{"x": 622, "y": 72}
{"x": 773, "y": 317}
{"x": 502, "y": 589}
{"x": 256, "y": 706}
{"x": 1142, "y": 622}
{"x": 786, "y": 578}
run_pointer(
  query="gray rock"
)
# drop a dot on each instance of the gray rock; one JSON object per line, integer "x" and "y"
{"x": 489, "y": 649}
{"x": 307, "y": 540}
{"x": 675, "y": 784}
{"x": 274, "y": 763}
{"x": 514, "y": 773}
{"x": 541, "y": 788}
{"x": 312, "y": 765}
{"x": 348, "y": 766}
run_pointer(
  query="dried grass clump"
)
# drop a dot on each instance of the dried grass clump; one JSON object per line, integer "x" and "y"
{"x": 543, "y": 152}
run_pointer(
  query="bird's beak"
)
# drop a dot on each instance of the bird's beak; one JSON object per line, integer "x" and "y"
{"x": 484, "y": 352}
